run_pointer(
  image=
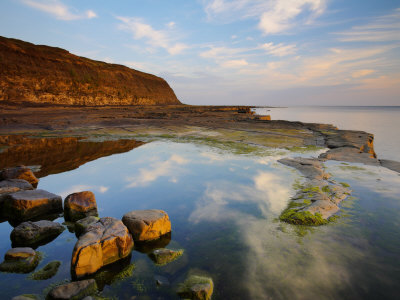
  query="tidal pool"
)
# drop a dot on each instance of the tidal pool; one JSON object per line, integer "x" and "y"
{"x": 224, "y": 209}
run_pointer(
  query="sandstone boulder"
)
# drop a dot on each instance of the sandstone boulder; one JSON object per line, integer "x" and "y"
{"x": 197, "y": 288}
{"x": 102, "y": 243}
{"x": 25, "y": 205}
{"x": 20, "y": 260}
{"x": 35, "y": 233}
{"x": 80, "y": 205}
{"x": 147, "y": 224}
{"x": 20, "y": 172}
{"x": 15, "y": 184}
{"x": 76, "y": 290}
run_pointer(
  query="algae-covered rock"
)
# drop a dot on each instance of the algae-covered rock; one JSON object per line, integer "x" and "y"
{"x": 164, "y": 256}
{"x": 149, "y": 246}
{"x": 25, "y": 205}
{"x": 20, "y": 172}
{"x": 35, "y": 234}
{"x": 80, "y": 205}
{"x": 26, "y": 297}
{"x": 47, "y": 271}
{"x": 20, "y": 260}
{"x": 114, "y": 272}
{"x": 82, "y": 224}
{"x": 147, "y": 224}
{"x": 103, "y": 243}
{"x": 196, "y": 288}
{"x": 76, "y": 290}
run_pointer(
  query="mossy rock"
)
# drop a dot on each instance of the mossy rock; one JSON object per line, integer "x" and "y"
{"x": 164, "y": 256}
{"x": 82, "y": 224}
{"x": 299, "y": 217}
{"x": 24, "y": 263}
{"x": 196, "y": 288}
{"x": 26, "y": 297}
{"x": 47, "y": 271}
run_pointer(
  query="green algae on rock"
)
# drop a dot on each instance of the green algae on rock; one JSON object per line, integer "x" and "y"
{"x": 196, "y": 288}
{"x": 20, "y": 260}
{"x": 164, "y": 256}
{"x": 47, "y": 271}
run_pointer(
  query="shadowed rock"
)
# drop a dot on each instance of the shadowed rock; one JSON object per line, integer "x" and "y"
{"x": 34, "y": 234}
{"x": 10, "y": 186}
{"x": 20, "y": 260}
{"x": 25, "y": 205}
{"x": 147, "y": 224}
{"x": 76, "y": 290}
{"x": 196, "y": 288}
{"x": 82, "y": 224}
{"x": 26, "y": 297}
{"x": 149, "y": 246}
{"x": 103, "y": 243}
{"x": 390, "y": 164}
{"x": 47, "y": 271}
{"x": 20, "y": 172}
{"x": 80, "y": 205}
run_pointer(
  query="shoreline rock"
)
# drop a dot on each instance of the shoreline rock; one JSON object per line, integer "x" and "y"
{"x": 80, "y": 205}
{"x": 20, "y": 172}
{"x": 20, "y": 260}
{"x": 76, "y": 290}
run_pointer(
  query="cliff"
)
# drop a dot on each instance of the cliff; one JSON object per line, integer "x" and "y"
{"x": 43, "y": 74}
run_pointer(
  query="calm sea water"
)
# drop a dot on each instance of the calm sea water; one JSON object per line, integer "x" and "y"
{"x": 382, "y": 121}
{"x": 224, "y": 208}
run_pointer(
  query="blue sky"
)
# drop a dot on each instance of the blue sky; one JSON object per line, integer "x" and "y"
{"x": 256, "y": 52}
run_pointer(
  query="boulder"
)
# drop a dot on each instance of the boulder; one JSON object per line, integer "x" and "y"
{"x": 20, "y": 260}
{"x": 197, "y": 288}
{"x": 35, "y": 234}
{"x": 14, "y": 184}
{"x": 76, "y": 290}
{"x": 164, "y": 256}
{"x": 148, "y": 224}
{"x": 102, "y": 243}
{"x": 82, "y": 224}
{"x": 80, "y": 205}
{"x": 20, "y": 172}
{"x": 47, "y": 271}
{"x": 25, "y": 205}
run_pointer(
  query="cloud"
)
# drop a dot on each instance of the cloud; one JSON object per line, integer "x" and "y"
{"x": 156, "y": 170}
{"x": 236, "y": 63}
{"x": 382, "y": 29}
{"x": 154, "y": 38}
{"x": 82, "y": 187}
{"x": 274, "y": 16}
{"x": 279, "y": 49}
{"x": 361, "y": 73}
{"x": 59, "y": 10}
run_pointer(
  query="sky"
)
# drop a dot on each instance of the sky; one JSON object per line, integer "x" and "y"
{"x": 228, "y": 52}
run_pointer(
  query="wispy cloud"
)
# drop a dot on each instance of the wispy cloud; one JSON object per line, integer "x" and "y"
{"x": 381, "y": 29}
{"x": 154, "y": 38}
{"x": 274, "y": 16}
{"x": 156, "y": 170}
{"x": 59, "y": 10}
{"x": 83, "y": 187}
{"x": 279, "y": 49}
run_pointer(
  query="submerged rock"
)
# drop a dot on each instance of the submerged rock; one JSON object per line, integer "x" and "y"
{"x": 26, "y": 297}
{"x": 82, "y": 224}
{"x": 20, "y": 172}
{"x": 76, "y": 290}
{"x": 161, "y": 280}
{"x": 20, "y": 260}
{"x": 102, "y": 243}
{"x": 149, "y": 246}
{"x": 390, "y": 164}
{"x": 47, "y": 271}
{"x": 147, "y": 224}
{"x": 196, "y": 288}
{"x": 114, "y": 272}
{"x": 309, "y": 167}
{"x": 164, "y": 256}
{"x": 80, "y": 205}
{"x": 25, "y": 205}
{"x": 35, "y": 233}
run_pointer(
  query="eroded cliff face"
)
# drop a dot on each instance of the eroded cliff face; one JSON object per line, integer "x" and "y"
{"x": 43, "y": 74}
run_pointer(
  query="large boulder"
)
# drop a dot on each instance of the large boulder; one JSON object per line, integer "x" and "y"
{"x": 197, "y": 288}
{"x": 76, "y": 290}
{"x": 20, "y": 172}
{"x": 10, "y": 186}
{"x": 102, "y": 243}
{"x": 80, "y": 205}
{"x": 25, "y": 205}
{"x": 34, "y": 234}
{"x": 148, "y": 224}
{"x": 20, "y": 260}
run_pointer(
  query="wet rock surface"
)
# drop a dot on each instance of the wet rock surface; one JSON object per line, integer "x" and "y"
{"x": 102, "y": 243}
{"x": 317, "y": 199}
{"x": 390, "y": 164}
{"x": 20, "y": 260}
{"x": 34, "y": 234}
{"x": 80, "y": 205}
{"x": 196, "y": 288}
{"x": 147, "y": 224}
{"x": 20, "y": 172}
{"x": 25, "y": 205}
{"x": 76, "y": 290}
{"x": 164, "y": 256}
{"x": 82, "y": 224}
{"x": 349, "y": 154}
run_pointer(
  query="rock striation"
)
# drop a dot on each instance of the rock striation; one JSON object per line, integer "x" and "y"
{"x": 43, "y": 74}
{"x": 102, "y": 243}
